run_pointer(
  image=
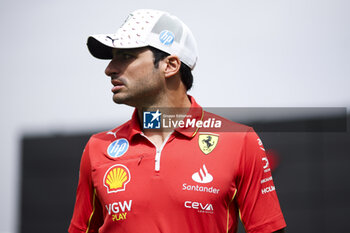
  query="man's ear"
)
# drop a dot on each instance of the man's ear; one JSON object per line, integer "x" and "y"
{"x": 172, "y": 66}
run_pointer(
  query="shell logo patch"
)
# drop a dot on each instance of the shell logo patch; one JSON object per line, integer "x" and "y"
{"x": 116, "y": 178}
{"x": 207, "y": 142}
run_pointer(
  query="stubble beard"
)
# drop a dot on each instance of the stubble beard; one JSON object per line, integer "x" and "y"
{"x": 140, "y": 95}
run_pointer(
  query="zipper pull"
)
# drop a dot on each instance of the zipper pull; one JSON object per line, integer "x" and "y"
{"x": 139, "y": 162}
{"x": 157, "y": 160}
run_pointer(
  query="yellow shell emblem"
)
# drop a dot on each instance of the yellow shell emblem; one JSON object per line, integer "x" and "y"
{"x": 207, "y": 142}
{"x": 116, "y": 178}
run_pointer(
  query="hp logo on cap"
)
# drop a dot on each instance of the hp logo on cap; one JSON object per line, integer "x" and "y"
{"x": 166, "y": 37}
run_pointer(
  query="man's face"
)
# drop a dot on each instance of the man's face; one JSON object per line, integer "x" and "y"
{"x": 136, "y": 82}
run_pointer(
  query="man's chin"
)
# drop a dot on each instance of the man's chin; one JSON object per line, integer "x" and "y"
{"x": 118, "y": 100}
{"x": 121, "y": 100}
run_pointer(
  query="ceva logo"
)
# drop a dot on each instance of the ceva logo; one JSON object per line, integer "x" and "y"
{"x": 203, "y": 208}
{"x": 202, "y": 176}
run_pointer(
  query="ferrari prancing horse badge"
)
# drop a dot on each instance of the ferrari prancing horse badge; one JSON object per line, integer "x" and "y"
{"x": 207, "y": 142}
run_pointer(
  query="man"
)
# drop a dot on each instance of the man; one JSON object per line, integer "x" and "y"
{"x": 187, "y": 176}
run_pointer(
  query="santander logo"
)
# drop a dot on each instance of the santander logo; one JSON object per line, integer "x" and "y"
{"x": 202, "y": 176}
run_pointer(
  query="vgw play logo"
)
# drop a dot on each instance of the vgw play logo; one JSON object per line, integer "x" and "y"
{"x": 151, "y": 120}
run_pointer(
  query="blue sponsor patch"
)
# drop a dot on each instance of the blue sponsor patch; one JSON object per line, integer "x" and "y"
{"x": 118, "y": 148}
{"x": 166, "y": 37}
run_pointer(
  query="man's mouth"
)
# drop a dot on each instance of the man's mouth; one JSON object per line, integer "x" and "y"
{"x": 117, "y": 85}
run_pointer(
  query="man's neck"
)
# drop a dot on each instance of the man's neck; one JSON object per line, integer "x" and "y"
{"x": 170, "y": 106}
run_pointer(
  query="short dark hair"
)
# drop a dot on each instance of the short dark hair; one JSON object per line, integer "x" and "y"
{"x": 185, "y": 71}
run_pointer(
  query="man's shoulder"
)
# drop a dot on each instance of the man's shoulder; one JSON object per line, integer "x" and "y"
{"x": 112, "y": 133}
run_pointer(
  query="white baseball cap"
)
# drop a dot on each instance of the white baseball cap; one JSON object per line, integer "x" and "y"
{"x": 144, "y": 28}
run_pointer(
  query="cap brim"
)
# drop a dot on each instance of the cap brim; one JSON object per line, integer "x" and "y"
{"x": 99, "y": 47}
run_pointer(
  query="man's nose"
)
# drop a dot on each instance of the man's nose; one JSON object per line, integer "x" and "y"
{"x": 112, "y": 68}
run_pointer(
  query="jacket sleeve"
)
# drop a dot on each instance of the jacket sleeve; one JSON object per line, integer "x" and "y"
{"x": 87, "y": 215}
{"x": 259, "y": 208}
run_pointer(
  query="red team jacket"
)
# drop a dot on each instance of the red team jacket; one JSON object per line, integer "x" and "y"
{"x": 199, "y": 181}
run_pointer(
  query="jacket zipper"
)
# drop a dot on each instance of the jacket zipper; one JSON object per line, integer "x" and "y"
{"x": 158, "y": 151}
